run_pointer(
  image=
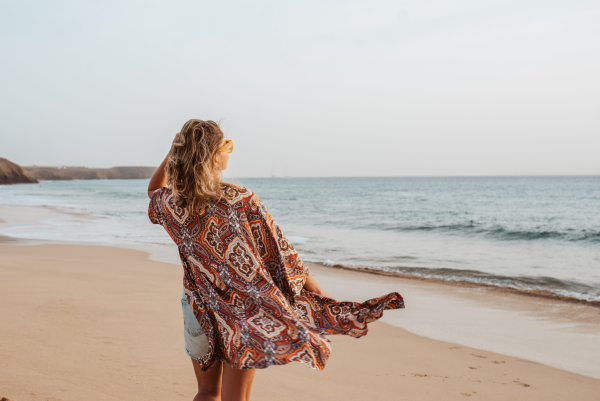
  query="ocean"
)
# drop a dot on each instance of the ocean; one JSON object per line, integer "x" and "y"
{"x": 524, "y": 233}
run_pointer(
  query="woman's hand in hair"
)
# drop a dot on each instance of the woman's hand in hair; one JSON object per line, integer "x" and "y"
{"x": 158, "y": 179}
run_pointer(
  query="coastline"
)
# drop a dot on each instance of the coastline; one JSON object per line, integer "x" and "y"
{"x": 548, "y": 330}
{"x": 28, "y": 221}
{"x": 519, "y": 291}
{"x": 499, "y": 247}
{"x": 98, "y": 322}
{"x": 556, "y": 333}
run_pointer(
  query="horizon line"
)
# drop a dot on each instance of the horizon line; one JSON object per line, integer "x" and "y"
{"x": 353, "y": 176}
{"x": 460, "y": 175}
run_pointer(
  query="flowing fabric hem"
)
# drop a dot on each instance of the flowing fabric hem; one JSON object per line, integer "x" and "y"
{"x": 325, "y": 324}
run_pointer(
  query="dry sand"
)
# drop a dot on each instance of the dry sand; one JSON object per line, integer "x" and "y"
{"x": 98, "y": 323}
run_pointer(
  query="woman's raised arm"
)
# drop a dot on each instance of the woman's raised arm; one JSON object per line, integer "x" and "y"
{"x": 158, "y": 179}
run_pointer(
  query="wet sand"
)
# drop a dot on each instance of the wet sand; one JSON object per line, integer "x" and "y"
{"x": 90, "y": 322}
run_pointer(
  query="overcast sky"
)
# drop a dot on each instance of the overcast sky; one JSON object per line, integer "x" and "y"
{"x": 315, "y": 88}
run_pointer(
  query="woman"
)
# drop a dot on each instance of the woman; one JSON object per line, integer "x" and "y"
{"x": 249, "y": 300}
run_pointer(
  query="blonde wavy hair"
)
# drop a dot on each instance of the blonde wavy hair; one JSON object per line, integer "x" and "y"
{"x": 191, "y": 171}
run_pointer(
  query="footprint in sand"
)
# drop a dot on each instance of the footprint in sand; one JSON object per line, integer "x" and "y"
{"x": 521, "y": 383}
{"x": 472, "y": 367}
{"x": 453, "y": 347}
{"x": 4, "y": 399}
{"x": 498, "y": 362}
{"x": 479, "y": 356}
{"x": 469, "y": 394}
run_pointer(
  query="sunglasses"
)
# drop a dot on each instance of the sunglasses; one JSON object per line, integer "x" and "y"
{"x": 227, "y": 147}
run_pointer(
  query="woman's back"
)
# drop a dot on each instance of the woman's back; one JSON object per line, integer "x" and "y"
{"x": 244, "y": 281}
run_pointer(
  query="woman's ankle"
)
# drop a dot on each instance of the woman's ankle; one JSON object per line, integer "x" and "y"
{"x": 207, "y": 397}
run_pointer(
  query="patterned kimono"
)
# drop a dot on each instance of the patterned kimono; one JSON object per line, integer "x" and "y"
{"x": 244, "y": 282}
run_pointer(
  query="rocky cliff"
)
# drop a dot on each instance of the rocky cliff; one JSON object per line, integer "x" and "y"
{"x": 11, "y": 173}
{"x": 84, "y": 173}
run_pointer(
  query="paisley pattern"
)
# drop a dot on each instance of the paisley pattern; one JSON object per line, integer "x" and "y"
{"x": 244, "y": 281}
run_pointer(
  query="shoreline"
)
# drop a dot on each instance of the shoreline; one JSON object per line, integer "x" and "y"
{"x": 121, "y": 311}
{"x": 461, "y": 282}
{"x": 550, "y": 330}
{"x": 545, "y": 330}
{"x": 545, "y": 294}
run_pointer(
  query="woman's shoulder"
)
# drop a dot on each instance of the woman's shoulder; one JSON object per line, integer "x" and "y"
{"x": 159, "y": 204}
{"x": 161, "y": 194}
{"x": 236, "y": 193}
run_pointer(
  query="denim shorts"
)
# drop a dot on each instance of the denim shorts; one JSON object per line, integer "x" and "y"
{"x": 196, "y": 344}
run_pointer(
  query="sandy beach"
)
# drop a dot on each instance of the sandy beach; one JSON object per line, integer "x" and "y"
{"x": 94, "y": 322}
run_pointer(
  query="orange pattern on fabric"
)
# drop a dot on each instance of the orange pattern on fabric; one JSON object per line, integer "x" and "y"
{"x": 244, "y": 281}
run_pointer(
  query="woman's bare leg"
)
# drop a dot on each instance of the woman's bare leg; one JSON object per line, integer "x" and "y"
{"x": 209, "y": 383}
{"x": 236, "y": 383}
